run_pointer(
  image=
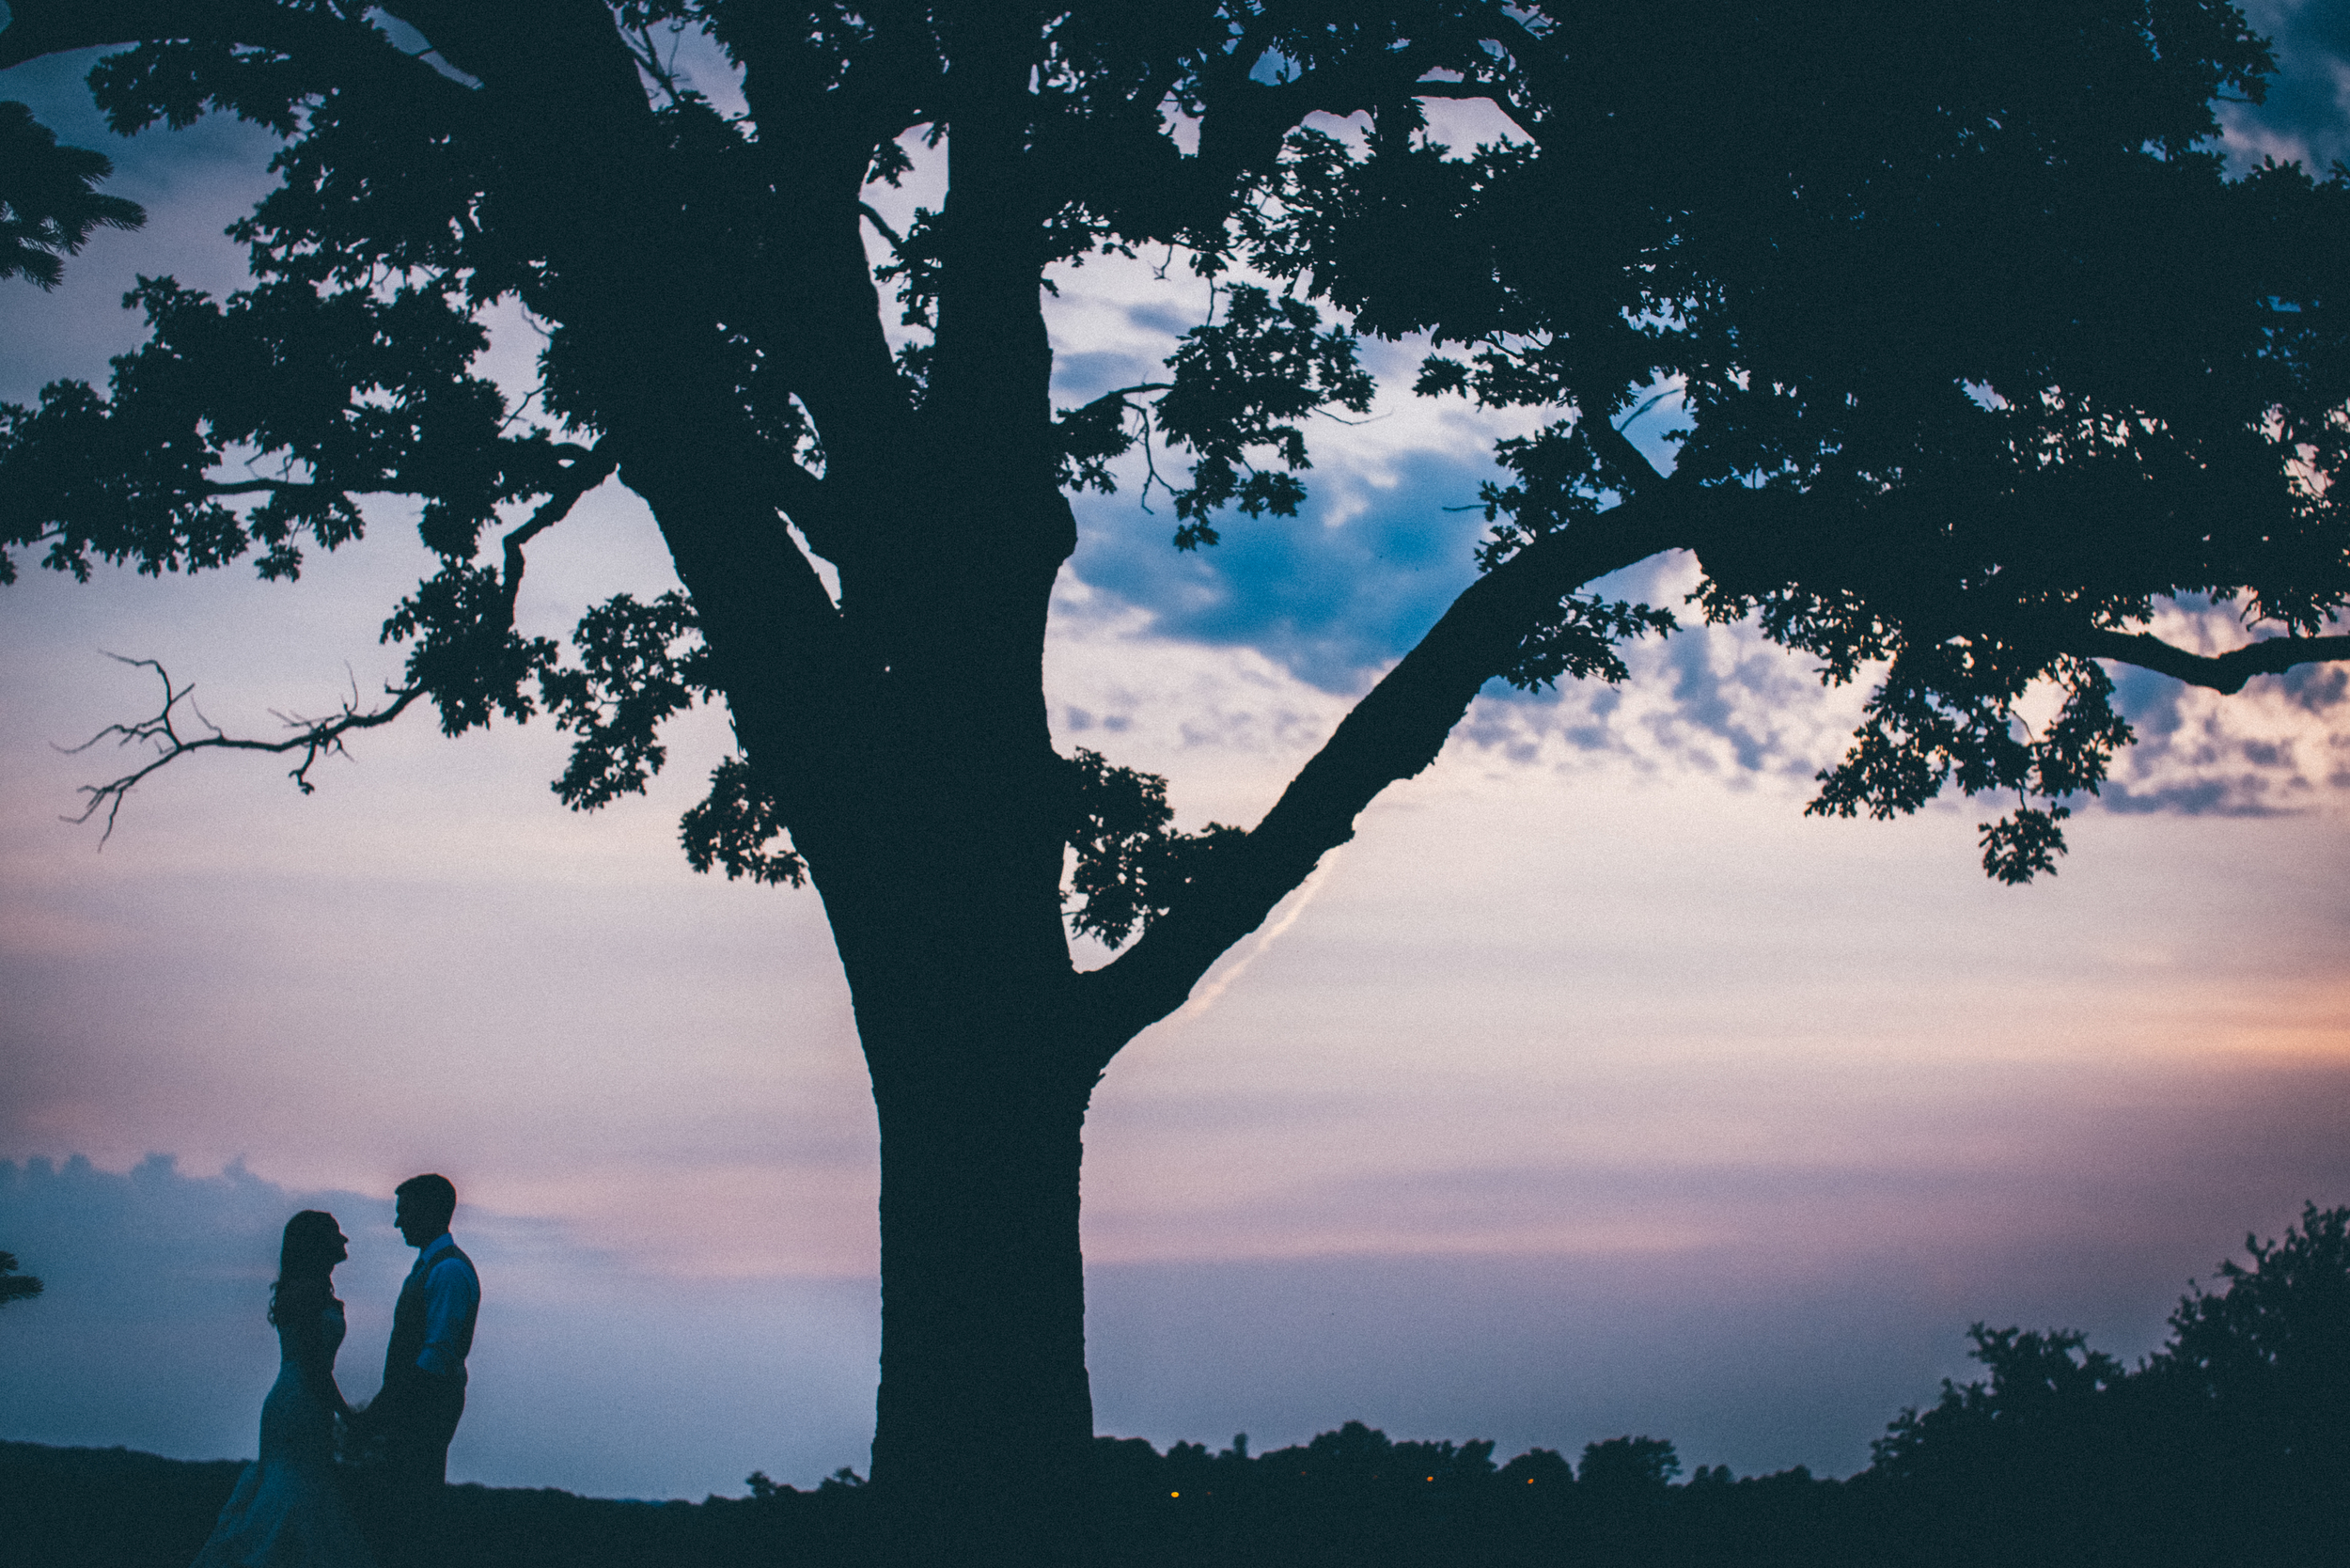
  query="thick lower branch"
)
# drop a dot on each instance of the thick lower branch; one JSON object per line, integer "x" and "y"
{"x": 1391, "y": 734}
{"x": 2225, "y": 673}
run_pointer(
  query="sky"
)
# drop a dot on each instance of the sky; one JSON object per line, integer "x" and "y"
{"x": 1592, "y": 1089}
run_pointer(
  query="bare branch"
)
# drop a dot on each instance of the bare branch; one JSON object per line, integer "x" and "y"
{"x": 2225, "y": 673}
{"x": 896, "y": 241}
{"x": 1135, "y": 390}
{"x": 312, "y": 738}
{"x": 1627, "y": 466}
{"x": 253, "y": 487}
{"x": 590, "y": 468}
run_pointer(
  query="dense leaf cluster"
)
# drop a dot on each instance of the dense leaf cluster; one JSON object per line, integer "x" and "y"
{"x": 1128, "y": 864}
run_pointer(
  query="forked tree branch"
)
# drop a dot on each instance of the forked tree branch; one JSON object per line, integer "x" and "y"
{"x": 312, "y": 738}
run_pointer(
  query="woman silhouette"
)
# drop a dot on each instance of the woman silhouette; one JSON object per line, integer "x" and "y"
{"x": 287, "y": 1511}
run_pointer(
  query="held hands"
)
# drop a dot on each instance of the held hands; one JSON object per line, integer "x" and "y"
{"x": 359, "y": 1435}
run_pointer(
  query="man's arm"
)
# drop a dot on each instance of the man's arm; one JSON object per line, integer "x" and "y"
{"x": 451, "y": 1293}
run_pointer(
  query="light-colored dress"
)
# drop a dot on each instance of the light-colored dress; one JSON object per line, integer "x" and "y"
{"x": 287, "y": 1510}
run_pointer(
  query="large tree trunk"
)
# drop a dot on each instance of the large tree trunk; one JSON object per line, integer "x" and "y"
{"x": 985, "y": 1416}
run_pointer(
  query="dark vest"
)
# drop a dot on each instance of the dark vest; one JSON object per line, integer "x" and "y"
{"x": 408, "y": 1322}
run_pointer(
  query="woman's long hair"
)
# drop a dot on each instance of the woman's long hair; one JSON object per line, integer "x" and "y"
{"x": 305, "y": 1260}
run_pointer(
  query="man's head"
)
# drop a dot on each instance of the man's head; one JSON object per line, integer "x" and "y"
{"x": 422, "y": 1208}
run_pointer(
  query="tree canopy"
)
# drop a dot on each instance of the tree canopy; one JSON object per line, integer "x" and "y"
{"x": 1982, "y": 360}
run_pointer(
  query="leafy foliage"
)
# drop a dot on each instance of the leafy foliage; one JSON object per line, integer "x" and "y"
{"x": 466, "y": 653}
{"x": 2270, "y": 1350}
{"x": 1244, "y": 384}
{"x": 1803, "y": 231}
{"x": 733, "y": 826}
{"x": 1628, "y": 1465}
{"x": 48, "y": 198}
{"x": 2228, "y": 1442}
{"x": 640, "y": 664}
{"x": 1129, "y": 866}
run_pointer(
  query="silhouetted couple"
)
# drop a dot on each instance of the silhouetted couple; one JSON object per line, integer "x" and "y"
{"x": 291, "y": 1508}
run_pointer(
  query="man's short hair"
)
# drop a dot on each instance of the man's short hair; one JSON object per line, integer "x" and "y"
{"x": 429, "y": 1196}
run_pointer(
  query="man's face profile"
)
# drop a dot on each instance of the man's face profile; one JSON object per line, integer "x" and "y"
{"x": 414, "y": 1227}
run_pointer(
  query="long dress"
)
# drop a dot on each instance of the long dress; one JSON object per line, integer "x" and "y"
{"x": 287, "y": 1510}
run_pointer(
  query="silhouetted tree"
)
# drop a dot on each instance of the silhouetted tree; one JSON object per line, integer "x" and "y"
{"x": 1628, "y": 1466}
{"x": 1983, "y": 360}
{"x": 15, "y": 1286}
{"x": 2228, "y": 1444}
{"x": 2254, "y": 1385}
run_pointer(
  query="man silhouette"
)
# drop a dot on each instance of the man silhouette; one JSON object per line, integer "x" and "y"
{"x": 411, "y": 1420}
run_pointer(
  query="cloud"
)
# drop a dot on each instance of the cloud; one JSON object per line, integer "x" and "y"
{"x": 2306, "y": 115}
{"x": 1331, "y": 595}
{"x": 2281, "y": 745}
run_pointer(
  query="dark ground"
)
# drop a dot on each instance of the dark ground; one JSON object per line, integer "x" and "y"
{"x": 2228, "y": 1448}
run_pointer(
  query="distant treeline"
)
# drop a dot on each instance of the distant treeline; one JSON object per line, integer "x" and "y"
{"x": 2231, "y": 1445}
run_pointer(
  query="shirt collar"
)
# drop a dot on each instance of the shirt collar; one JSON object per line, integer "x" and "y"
{"x": 433, "y": 1248}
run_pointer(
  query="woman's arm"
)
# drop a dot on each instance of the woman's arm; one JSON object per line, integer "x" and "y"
{"x": 316, "y": 1364}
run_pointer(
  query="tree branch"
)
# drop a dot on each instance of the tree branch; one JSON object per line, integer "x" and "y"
{"x": 896, "y": 241}
{"x": 1391, "y": 734}
{"x": 2224, "y": 673}
{"x": 1902, "y": 581}
{"x": 313, "y": 737}
{"x": 591, "y": 469}
{"x": 1626, "y": 463}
